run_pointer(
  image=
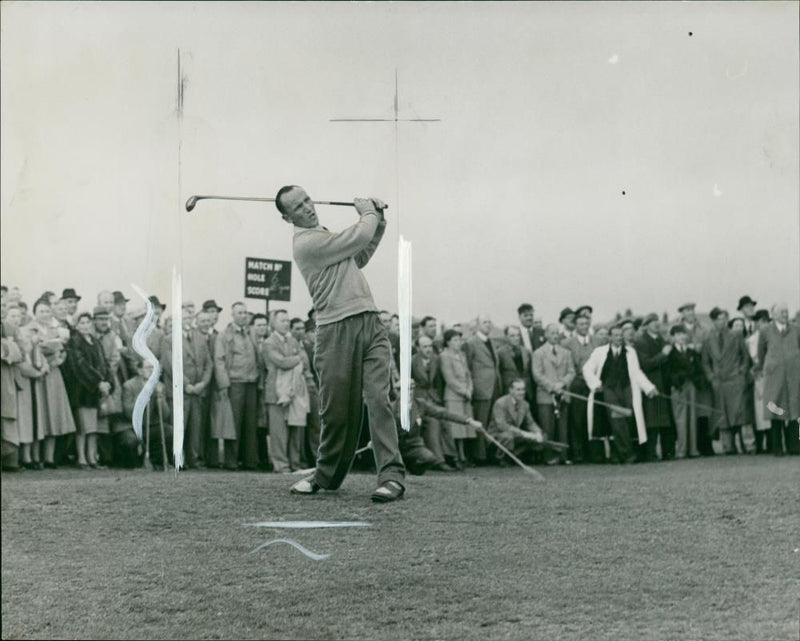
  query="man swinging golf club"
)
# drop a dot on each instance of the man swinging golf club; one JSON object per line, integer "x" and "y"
{"x": 351, "y": 352}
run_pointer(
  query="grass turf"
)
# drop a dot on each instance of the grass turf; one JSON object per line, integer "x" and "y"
{"x": 703, "y": 549}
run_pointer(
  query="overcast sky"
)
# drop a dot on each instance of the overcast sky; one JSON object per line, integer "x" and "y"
{"x": 549, "y": 112}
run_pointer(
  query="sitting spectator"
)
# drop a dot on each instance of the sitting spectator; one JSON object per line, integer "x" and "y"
{"x": 156, "y": 414}
{"x": 513, "y": 426}
{"x": 416, "y": 456}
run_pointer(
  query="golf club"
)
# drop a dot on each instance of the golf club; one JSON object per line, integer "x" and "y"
{"x": 190, "y": 204}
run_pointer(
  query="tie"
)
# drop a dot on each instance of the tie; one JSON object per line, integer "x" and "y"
{"x": 721, "y": 341}
{"x": 555, "y": 353}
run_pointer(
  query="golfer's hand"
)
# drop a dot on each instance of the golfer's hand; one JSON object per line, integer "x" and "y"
{"x": 472, "y": 422}
{"x": 364, "y": 206}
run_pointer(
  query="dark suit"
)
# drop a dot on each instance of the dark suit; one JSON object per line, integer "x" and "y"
{"x": 578, "y": 430}
{"x": 515, "y": 362}
{"x": 683, "y": 371}
{"x": 429, "y": 384}
{"x": 657, "y": 410}
{"x": 482, "y": 361}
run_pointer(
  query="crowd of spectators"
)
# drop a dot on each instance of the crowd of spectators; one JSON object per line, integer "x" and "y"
{"x": 636, "y": 389}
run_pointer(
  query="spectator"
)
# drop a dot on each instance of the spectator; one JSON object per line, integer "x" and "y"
{"x": 157, "y": 413}
{"x": 57, "y": 415}
{"x": 683, "y": 370}
{"x": 259, "y": 330}
{"x": 218, "y": 415}
{"x": 427, "y": 328}
{"x": 613, "y": 369}
{"x": 91, "y": 382}
{"x": 553, "y": 371}
{"x": 197, "y": 369}
{"x": 652, "y": 351}
{"x": 60, "y": 316}
{"x": 779, "y": 357}
{"x": 457, "y": 391}
{"x": 601, "y": 335}
{"x": 105, "y": 299}
{"x": 515, "y": 361}
{"x": 236, "y": 375}
{"x": 481, "y": 355}
{"x": 513, "y": 425}
{"x": 586, "y": 312}
{"x": 532, "y": 335}
{"x": 28, "y": 374}
{"x": 71, "y": 299}
{"x": 696, "y": 335}
{"x": 629, "y": 334}
{"x": 26, "y": 317}
{"x": 284, "y": 373}
{"x": 747, "y": 306}
{"x": 122, "y": 325}
{"x": 580, "y": 345}
{"x": 427, "y": 376}
{"x": 762, "y": 425}
{"x": 109, "y": 414}
{"x": 10, "y": 356}
{"x": 312, "y": 431}
{"x": 156, "y": 339}
{"x": 726, "y": 363}
{"x": 567, "y": 320}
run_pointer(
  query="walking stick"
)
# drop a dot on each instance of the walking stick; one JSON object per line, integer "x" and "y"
{"x": 147, "y": 464}
{"x": 529, "y": 470}
{"x": 698, "y": 405}
{"x": 617, "y": 408}
{"x": 163, "y": 436}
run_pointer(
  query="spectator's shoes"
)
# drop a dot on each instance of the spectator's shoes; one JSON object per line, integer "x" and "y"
{"x": 443, "y": 467}
{"x": 387, "y": 492}
{"x": 307, "y": 486}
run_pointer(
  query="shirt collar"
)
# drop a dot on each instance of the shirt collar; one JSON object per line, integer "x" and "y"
{"x": 482, "y": 336}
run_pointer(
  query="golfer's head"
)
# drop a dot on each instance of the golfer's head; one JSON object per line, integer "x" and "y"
{"x": 296, "y": 206}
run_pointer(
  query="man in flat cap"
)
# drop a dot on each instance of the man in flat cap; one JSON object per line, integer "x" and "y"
{"x": 726, "y": 363}
{"x": 653, "y": 352}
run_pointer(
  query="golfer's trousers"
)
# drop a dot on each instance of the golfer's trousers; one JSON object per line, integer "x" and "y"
{"x": 352, "y": 358}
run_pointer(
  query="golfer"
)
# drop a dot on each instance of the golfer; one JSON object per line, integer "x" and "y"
{"x": 351, "y": 351}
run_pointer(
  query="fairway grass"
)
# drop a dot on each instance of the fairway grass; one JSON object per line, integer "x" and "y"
{"x": 704, "y": 549}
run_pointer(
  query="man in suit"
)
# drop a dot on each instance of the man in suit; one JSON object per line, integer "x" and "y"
{"x": 297, "y": 327}
{"x": 553, "y": 371}
{"x": 515, "y": 361}
{"x": 428, "y": 384}
{"x": 726, "y": 362}
{"x": 427, "y": 327}
{"x": 747, "y": 307}
{"x": 532, "y": 335}
{"x": 236, "y": 376}
{"x": 696, "y": 335}
{"x": 779, "y": 358}
{"x": 206, "y": 325}
{"x": 481, "y": 353}
{"x": 197, "y": 369}
{"x": 683, "y": 369}
{"x": 581, "y": 345}
{"x": 652, "y": 352}
{"x": 513, "y": 425}
{"x": 281, "y": 353}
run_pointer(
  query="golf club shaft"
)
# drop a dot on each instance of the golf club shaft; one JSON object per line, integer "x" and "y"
{"x": 616, "y": 408}
{"x": 503, "y": 449}
{"x": 192, "y": 201}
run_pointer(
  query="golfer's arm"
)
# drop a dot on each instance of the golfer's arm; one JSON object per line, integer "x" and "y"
{"x": 362, "y": 258}
{"x": 323, "y": 249}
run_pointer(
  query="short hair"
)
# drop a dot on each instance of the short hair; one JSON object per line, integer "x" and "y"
{"x": 39, "y": 303}
{"x": 525, "y": 307}
{"x": 423, "y": 336}
{"x": 425, "y": 320}
{"x": 82, "y": 315}
{"x": 516, "y": 380}
{"x": 397, "y": 316}
{"x": 238, "y": 303}
{"x": 449, "y": 335}
{"x": 275, "y": 312}
{"x": 508, "y": 328}
{"x": 258, "y": 317}
{"x": 311, "y": 312}
{"x": 281, "y": 192}
{"x": 296, "y": 320}
{"x": 24, "y": 305}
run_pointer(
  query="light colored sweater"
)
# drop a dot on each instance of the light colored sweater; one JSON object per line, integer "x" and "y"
{"x": 331, "y": 266}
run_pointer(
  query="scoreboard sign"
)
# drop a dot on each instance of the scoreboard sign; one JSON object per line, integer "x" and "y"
{"x": 267, "y": 279}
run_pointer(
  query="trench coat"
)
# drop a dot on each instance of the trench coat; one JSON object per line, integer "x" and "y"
{"x": 779, "y": 356}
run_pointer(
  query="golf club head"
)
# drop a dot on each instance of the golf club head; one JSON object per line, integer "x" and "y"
{"x": 191, "y": 203}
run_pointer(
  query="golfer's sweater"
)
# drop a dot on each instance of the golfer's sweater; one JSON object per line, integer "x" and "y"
{"x": 331, "y": 266}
